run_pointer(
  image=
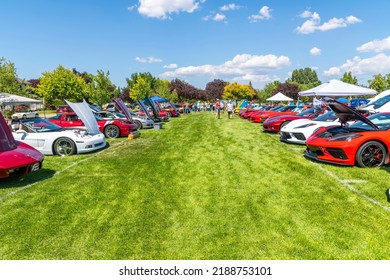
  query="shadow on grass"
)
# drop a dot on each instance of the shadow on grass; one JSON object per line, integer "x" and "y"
{"x": 27, "y": 179}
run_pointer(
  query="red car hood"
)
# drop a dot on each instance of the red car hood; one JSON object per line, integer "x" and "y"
{"x": 22, "y": 155}
{"x": 285, "y": 117}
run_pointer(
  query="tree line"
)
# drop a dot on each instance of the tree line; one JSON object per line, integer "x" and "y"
{"x": 70, "y": 84}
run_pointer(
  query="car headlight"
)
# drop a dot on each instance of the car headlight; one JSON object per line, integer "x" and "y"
{"x": 345, "y": 137}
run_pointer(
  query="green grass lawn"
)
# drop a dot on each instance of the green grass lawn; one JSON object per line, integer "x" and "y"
{"x": 199, "y": 189}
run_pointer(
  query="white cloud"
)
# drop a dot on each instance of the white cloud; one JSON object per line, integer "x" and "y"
{"x": 313, "y": 23}
{"x": 130, "y": 8}
{"x": 161, "y": 9}
{"x": 171, "y": 66}
{"x": 219, "y": 17}
{"x": 150, "y": 59}
{"x": 264, "y": 13}
{"x": 230, "y": 7}
{"x": 372, "y": 65}
{"x": 241, "y": 67}
{"x": 375, "y": 46}
{"x": 315, "y": 51}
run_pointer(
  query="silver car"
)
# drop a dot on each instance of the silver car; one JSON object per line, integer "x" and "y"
{"x": 140, "y": 121}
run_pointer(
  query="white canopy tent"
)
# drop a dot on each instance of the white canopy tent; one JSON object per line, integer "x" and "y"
{"x": 8, "y": 100}
{"x": 279, "y": 97}
{"x": 336, "y": 88}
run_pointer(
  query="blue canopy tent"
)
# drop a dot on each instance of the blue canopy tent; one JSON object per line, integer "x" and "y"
{"x": 159, "y": 99}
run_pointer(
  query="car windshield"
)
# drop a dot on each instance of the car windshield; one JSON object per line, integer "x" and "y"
{"x": 308, "y": 112}
{"x": 40, "y": 125}
{"x": 380, "y": 102}
{"x": 381, "y": 120}
{"x": 327, "y": 117}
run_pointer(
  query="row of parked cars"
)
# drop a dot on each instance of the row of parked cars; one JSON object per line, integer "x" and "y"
{"x": 333, "y": 132}
{"x": 77, "y": 128}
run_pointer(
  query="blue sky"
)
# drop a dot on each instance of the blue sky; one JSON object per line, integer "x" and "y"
{"x": 198, "y": 40}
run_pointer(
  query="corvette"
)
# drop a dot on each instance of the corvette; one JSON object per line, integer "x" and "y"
{"x": 365, "y": 143}
{"x": 298, "y": 131}
{"x": 51, "y": 139}
{"x": 111, "y": 128}
{"x": 16, "y": 158}
{"x": 285, "y": 110}
{"x": 274, "y": 124}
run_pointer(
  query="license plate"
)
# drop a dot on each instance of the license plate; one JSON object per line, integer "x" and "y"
{"x": 35, "y": 166}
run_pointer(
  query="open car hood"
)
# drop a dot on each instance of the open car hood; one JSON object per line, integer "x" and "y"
{"x": 347, "y": 114}
{"x": 7, "y": 141}
{"x": 122, "y": 106}
{"x": 84, "y": 112}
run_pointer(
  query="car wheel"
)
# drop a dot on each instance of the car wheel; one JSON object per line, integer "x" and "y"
{"x": 112, "y": 131}
{"x": 37, "y": 115}
{"x": 284, "y": 124}
{"x": 371, "y": 154}
{"x": 64, "y": 147}
{"x": 138, "y": 123}
{"x": 24, "y": 117}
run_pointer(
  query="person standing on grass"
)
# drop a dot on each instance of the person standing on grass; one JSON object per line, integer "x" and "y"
{"x": 222, "y": 107}
{"x": 229, "y": 108}
{"x": 218, "y": 109}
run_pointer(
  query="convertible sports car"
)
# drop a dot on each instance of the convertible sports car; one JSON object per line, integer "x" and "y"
{"x": 16, "y": 158}
{"x": 365, "y": 143}
{"x": 274, "y": 124}
{"x": 51, "y": 139}
{"x": 298, "y": 131}
{"x": 111, "y": 128}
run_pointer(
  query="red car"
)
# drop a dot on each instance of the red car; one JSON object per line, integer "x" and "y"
{"x": 281, "y": 111}
{"x": 274, "y": 124}
{"x": 16, "y": 158}
{"x": 110, "y": 128}
{"x": 365, "y": 142}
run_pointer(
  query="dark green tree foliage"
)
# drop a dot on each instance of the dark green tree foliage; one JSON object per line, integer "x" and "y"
{"x": 215, "y": 89}
{"x": 305, "y": 76}
{"x": 348, "y": 78}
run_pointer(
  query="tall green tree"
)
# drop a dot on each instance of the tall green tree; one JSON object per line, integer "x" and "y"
{"x": 61, "y": 84}
{"x": 8, "y": 79}
{"x": 348, "y": 78}
{"x": 380, "y": 83}
{"x": 163, "y": 90}
{"x": 305, "y": 76}
{"x": 103, "y": 89}
{"x": 140, "y": 89}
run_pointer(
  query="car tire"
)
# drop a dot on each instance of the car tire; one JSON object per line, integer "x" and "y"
{"x": 112, "y": 131}
{"x": 138, "y": 123}
{"x": 64, "y": 147}
{"x": 37, "y": 115}
{"x": 24, "y": 117}
{"x": 371, "y": 154}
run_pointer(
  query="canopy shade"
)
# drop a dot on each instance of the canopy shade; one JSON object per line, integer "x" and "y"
{"x": 279, "y": 97}
{"x": 337, "y": 88}
{"x": 12, "y": 99}
{"x": 159, "y": 99}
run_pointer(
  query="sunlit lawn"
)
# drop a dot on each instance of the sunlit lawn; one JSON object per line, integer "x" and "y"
{"x": 200, "y": 188}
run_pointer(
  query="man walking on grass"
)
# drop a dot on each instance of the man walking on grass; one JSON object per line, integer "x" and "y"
{"x": 229, "y": 108}
{"x": 218, "y": 109}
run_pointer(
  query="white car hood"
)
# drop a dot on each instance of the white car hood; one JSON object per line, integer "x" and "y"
{"x": 84, "y": 112}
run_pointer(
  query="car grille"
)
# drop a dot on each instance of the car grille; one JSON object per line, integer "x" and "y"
{"x": 299, "y": 136}
{"x": 337, "y": 153}
{"x": 314, "y": 151}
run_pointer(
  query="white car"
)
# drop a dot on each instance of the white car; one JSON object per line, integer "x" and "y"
{"x": 51, "y": 139}
{"x": 298, "y": 131}
{"x": 380, "y": 105}
{"x": 25, "y": 114}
